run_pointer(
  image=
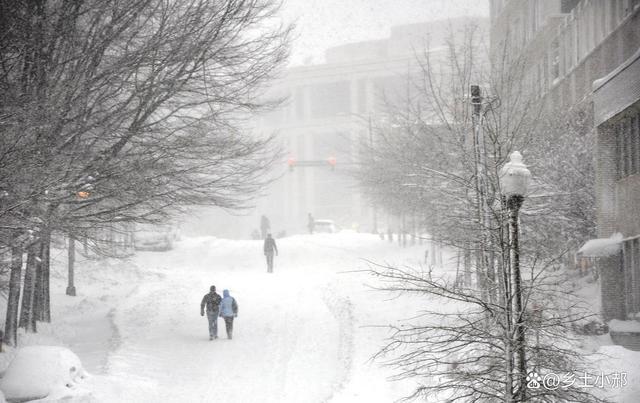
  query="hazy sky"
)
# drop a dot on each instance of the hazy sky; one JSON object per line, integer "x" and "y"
{"x": 325, "y": 23}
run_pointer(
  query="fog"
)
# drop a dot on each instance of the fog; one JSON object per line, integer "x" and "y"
{"x": 320, "y": 201}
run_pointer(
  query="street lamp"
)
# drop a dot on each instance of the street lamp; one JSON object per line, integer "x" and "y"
{"x": 514, "y": 181}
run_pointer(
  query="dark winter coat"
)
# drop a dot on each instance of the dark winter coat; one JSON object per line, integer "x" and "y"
{"x": 212, "y": 302}
{"x": 265, "y": 224}
{"x": 228, "y": 305}
{"x": 270, "y": 246}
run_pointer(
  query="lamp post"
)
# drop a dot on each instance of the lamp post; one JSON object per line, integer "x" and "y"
{"x": 514, "y": 180}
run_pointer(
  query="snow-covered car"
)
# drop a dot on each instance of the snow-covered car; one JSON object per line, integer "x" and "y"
{"x": 324, "y": 227}
{"x": 155, "y": 237}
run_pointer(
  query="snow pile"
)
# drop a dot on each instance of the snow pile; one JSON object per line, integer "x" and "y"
{"x": 624, "y": 326}
{"x": 619, "y": 360}
{"x": 602, "y": 247}
{"x": 43, "y": 371}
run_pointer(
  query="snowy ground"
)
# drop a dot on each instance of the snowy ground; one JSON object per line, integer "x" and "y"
{"x": 305, "y": 333}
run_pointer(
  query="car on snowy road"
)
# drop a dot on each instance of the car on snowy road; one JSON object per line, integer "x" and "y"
{"x": 155, "y": 237}
{"x": 324, "y": 227}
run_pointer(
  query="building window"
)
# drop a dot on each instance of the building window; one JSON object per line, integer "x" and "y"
{"x": 567, "y": 5}
{"x": 631, "y": 268}
{"x": 328, "y": 100}
{"x": 628, "y": 146}
{"x": 299, "y": 103}
{"x": 613, "y": 13}
{"x": 575, "y": 44}
{"x": 635, "y": 142}
{"x": 534, "y": 17}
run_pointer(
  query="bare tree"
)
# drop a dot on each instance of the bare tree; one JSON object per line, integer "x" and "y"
{"x": 506, "y": 326}
{"x": 130, "y": 110}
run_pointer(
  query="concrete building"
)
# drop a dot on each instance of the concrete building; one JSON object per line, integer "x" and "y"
{"x": 327, "y": 116}
{"x": 569, "y": 44}
{"x": 617, "y": 118}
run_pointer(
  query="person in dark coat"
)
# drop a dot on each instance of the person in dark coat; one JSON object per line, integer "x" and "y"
{"x": 311, "y": 223}
{"x": 228, "y": 311}
{"x": 212, "y": 302}
{"x": 265, "y": 226}
{"x": 269, "y": 249}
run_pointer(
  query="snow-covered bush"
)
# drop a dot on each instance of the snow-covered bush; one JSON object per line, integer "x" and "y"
{"x": 43, "y": 371}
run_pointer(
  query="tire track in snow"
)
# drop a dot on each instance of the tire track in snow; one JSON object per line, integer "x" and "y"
{"x": 341, "y": 308}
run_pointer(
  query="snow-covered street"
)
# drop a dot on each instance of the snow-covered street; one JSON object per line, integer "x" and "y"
{"x": 304, "y": 333}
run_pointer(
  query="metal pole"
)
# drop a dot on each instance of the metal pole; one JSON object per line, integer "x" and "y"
{"x": 514, "y": 204}
{"x": 71, "y": 289}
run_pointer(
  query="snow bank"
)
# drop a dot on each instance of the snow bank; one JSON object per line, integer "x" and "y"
{"x": 43, "y": 371}
{"x": 602, "y": 247}
{"x": 629, "y": 326}
{"x": 620, "y": 360}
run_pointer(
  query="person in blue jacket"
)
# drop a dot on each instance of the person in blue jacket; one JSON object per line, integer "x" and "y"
{"x": 228, "y": 311}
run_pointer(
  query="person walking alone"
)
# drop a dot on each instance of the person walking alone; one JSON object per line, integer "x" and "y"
{"x": 269, "y": 248}
{"x": 228, "y": 311}
{"x": 212, "y": 302}
{"x": 311, "y": 223}
{"x": 265, "y": 226}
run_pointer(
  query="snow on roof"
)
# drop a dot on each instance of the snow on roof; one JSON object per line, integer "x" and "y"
{"x": 602, "y": 247}
{"x": 601, "y": 81}
{"x": 624, "y": 326}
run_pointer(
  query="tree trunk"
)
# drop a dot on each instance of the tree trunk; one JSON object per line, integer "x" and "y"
{"x": 467, "y": 265}
{"x": 13, "y": 301}
{"x": 27, "y": 311}
{"x": 43, "y": 312}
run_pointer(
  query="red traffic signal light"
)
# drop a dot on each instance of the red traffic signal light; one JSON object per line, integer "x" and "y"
{"x": 291, "y": 162}
{"x": 332, "y": 162}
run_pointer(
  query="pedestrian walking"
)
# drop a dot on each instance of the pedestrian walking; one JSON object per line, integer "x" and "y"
{"x": 211, "y": 301}
{"x": 265, "y": 226}
{"x": 269, "y": 248}
{"x": 228, "y": 311}
{"x": 311, "y": 223}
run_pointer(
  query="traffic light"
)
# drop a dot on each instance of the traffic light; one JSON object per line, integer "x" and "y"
{"x": 291, "y": 162}
{"x": 332, "y": 162}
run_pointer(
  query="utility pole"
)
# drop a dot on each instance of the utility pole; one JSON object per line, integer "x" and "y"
{"x": 485, "y": 274}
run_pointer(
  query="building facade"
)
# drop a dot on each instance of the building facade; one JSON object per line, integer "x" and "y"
{"x": 569, "y": 45}
{"x": 617, "y": 118}
{"x": 327, "y": 117}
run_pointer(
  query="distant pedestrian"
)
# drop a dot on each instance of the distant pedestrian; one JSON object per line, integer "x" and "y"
{"x": 228, "y": 311}
{"x": 269, "y": 249}
{"x": 265, "y": 226}
{"x": 311, "y": 223}
{"x": 212, "y": 302}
